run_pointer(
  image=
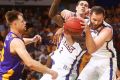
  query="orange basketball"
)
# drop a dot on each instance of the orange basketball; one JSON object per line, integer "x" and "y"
{"x": 73, "y": 25}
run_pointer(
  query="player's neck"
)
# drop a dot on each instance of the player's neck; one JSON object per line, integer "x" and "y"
{"x": 80, "y": 15}
{"x": 69, "y": 40}
{"x": 16, "y": 32}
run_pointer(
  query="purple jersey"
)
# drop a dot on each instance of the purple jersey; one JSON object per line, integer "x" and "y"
{"x": 10, "y": 65}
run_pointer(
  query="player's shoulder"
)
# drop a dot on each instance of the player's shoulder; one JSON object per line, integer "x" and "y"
{"x": 17, "y": 41}
{"x": 106, "y": 24}
{"x": 107, "y": 27}
{"x": 66, "y": 11}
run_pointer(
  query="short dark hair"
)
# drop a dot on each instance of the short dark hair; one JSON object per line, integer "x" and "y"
{"x": 82, "y": 0}
{"x": 12, "y": 15}
{"x": 97, "y": 10}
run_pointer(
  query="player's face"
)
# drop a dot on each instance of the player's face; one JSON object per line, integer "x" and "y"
{"x": 96, "y": 20}
{"x": 20, "y": 24}
{"x": 82, "y": 7}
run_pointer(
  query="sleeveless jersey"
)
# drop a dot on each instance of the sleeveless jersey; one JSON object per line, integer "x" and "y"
{"x": 107, "y": 50}
{"x": 66, "y": 59}
{"x": 10, "y": 65}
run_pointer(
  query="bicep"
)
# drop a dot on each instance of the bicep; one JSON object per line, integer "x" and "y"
{"x": 20, "y": 50}
{"x": 104, "y": 35}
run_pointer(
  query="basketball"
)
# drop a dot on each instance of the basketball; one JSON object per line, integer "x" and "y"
{"x": 73, "y": 25}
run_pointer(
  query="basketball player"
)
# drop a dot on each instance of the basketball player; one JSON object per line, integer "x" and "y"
{"x": 102, "y": 65}
{"x": 14, "y": 53}
{"x": 65, "y": 59}
{"x": 82, "y": 11}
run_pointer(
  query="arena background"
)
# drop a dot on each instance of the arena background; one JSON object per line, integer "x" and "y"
{"x": 38, "y": 22}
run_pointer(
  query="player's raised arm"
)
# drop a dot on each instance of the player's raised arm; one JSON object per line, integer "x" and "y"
{"x": 35, "y": 39}
{"x": 53, "y": 13}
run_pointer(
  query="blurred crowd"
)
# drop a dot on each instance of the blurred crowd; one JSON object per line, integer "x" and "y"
{"x": 23, "y": 0}
{"x": 38, "y": 22}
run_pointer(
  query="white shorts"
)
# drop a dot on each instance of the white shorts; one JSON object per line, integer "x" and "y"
{"x": 49, "y": 77}
{"x": 99, "y": 69}
{"x": 46, "y": 77}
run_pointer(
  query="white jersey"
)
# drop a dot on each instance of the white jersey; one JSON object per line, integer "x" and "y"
{"x": 66, "y": 60}
{"x": 103, "y": 63}
{"x": 107, "y": 50}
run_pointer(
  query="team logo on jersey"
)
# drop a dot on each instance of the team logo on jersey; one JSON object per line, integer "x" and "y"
{"x": 69, "y": 48}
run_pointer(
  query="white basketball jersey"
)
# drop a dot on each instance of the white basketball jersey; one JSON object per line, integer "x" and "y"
{"x": 66, "y": 60}
{"x": 107, "y": 50}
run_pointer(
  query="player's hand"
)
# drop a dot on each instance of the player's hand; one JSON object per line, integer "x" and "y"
{"x": 67, "y": 14}
{"x": 84, "y": 24}
{"x": 88, "y": 12}
{"x": 118, "y": 78}
{"x": 118, "y": 74}
{"x": 57, "y": 35}
{"x": 53, "y": 74}
{"x": 37, "y": 38}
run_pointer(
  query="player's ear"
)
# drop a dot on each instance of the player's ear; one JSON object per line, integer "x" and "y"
{"x": 14, "y": 22}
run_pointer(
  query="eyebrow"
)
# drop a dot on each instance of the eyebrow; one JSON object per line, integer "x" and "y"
{"x": 96, "y": 19}
{"x": 84, "y": 3}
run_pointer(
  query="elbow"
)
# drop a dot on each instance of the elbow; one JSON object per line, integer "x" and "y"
{"x": 30, "y": 65}
{"x": 91, "y": 51}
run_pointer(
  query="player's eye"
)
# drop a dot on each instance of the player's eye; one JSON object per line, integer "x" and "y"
{"x": 23, "y": 21}
{"x": 81, "y": 4}
{"x": 86, "y": 5}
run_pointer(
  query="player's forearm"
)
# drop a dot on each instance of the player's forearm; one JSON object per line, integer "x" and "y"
{"x": 49, "y": 61}
{"x": 28, "y": 40}
{"x": 53, "y": 13}
{"x": 54, "y": 8}
{"x": 90, "y": 44}
{"x": 37, "y": 66}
